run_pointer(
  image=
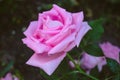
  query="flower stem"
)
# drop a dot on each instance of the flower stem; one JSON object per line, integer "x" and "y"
{"x": 79, "y": 69}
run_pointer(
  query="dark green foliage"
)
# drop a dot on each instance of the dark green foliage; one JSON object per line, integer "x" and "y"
{"x": 97, "y": 30}
{"x": 94, "y": 50}
{"x": 90, "y": 41}
{"x": 94, "y": 72}
{"x": 114, "y": 65}
{"x": 115, "y": 68}
{"x": 6, "y": 69}
{"x": 63, "y": 72}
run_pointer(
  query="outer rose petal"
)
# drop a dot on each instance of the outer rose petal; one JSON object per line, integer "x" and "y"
{"x": 37, "y": 47}
{"x": 45, "y": 62}
{"x": 83, "y": 30}
{"x": 78, "y": 18}
{"x": 31, "y": 29}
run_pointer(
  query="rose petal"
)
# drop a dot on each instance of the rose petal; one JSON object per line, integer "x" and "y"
{"x": 49, "y": 32}
{"x": 45, "y": 62}
{"x": 53, "y": 14}
{"x": 101, "y": 64}
{"x": 8, "y": 76}
{"x": 50, "y": 24}
{"x": 58, "y": 38}
{"x": 31, "y": 29}
{"x": 78, "y": 17}
{"x": 54, "y": 40}
{"x": 37, "y": 47}
{"x": 62, "y": 45}
{"x": 54, "y": 24}
{"x": 110, "y": 51}
{"x": 88, "y": 62}
{"x": 70, "y": 46}
{"x": 83, "y": 30}
{"x": 66, "y": 16}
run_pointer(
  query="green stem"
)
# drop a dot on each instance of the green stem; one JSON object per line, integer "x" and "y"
{"x": 79, "y": 69}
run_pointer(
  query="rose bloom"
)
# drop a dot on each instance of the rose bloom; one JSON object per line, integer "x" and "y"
{"x": 111, "y": 51}
{"x": 88, "y": 62}
{"x": 9, "y": 76}
{"x": 55, "y": 33}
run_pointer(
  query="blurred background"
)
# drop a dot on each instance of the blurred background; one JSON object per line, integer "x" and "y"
{"x": 15, "y": 16}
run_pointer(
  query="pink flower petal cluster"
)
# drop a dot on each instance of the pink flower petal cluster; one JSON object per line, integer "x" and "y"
{"x": 9, "y": 76}
{"x": 88, "y": 62}
{"x": 111, "y": 51}
{"x": 55, "y": 33}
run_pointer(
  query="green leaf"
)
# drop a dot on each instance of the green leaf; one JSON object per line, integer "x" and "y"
{"x": 114, "y": 65}
{"x": 88, "y": 44}
{"x": 6, "y": 69}
{"x": 95, "y": 34}
{"x": 93, "y": 49}
{"x": 97, "y": 29}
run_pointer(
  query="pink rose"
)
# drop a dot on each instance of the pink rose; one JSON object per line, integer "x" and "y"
{"x": 111, "y": 51}
{"x": 9, "y": 76}
{"x": 54, "y": 34}
{"x": 88, "y": 62}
